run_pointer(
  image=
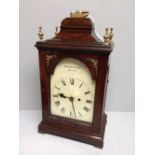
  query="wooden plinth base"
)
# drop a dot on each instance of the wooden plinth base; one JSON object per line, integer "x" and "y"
{"x": 86, "y": 137}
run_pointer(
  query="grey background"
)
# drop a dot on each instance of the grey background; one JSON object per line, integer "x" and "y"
{"x": 118, "y": 14}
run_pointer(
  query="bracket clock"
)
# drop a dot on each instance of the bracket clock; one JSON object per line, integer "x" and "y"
{"x": 74, "y": 75}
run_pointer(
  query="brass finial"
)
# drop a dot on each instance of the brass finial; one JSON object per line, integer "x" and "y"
{"x": 108, "y": 36}
{"x": 40, "y": 33}
{"x": 56, "y": 30}
{"x": 111, "y": 34}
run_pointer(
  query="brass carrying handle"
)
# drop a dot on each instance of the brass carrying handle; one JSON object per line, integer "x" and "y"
{"x": 79, "y": 14}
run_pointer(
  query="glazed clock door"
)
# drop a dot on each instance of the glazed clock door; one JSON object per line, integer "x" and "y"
{"x": 72, "y": 91}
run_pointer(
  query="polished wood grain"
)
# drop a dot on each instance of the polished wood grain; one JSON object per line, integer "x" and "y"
{"x": 76, "y": 39}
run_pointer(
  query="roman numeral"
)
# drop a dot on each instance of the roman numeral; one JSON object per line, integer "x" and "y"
{"x": 55, "y": 95}
{"x": 72, "y": 81}
{"x": 57, "y": 88}
{"x": 86, "y": 109}
{"x": 87, "y": 92}
{"x": 89, "y": 101}
{"x": 63, "y": 82}
{"x": 63, "y": 109}
{"x": 57, "y": 103}
{"x": 80, "y": 85}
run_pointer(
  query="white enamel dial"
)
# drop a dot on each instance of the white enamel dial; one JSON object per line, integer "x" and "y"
{"x": 72, "y": 91}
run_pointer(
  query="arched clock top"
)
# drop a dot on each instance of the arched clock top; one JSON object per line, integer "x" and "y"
{"x": 91, "y": 63}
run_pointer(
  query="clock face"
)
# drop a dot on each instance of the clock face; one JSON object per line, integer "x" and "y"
{"x": 72, "y": 91}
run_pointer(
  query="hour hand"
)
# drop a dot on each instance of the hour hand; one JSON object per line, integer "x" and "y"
{"x": 62, "y": 95}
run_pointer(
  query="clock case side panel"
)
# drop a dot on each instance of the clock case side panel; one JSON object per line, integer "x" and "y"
{"x": 100, "y": 94}
{"x": 43, "y": 84}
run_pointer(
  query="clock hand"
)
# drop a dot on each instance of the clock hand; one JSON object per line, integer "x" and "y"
{"x": 71, "y": 99}
{"x": 73, "y": 109}
{"x": 62, "y": 95}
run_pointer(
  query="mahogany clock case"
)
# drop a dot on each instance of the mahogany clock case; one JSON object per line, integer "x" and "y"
{"x": 86, "y": 47}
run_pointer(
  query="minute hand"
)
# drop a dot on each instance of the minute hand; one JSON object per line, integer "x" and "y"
{"x": 73, "y": 109}
{"x": 72, "y": 99}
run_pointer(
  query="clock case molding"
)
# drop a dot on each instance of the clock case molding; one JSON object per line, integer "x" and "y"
{"x": 76, "y": 39}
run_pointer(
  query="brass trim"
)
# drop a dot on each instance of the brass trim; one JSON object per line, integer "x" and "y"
{"x": 49, "y": 58}
{"x": 94, "y": 62}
